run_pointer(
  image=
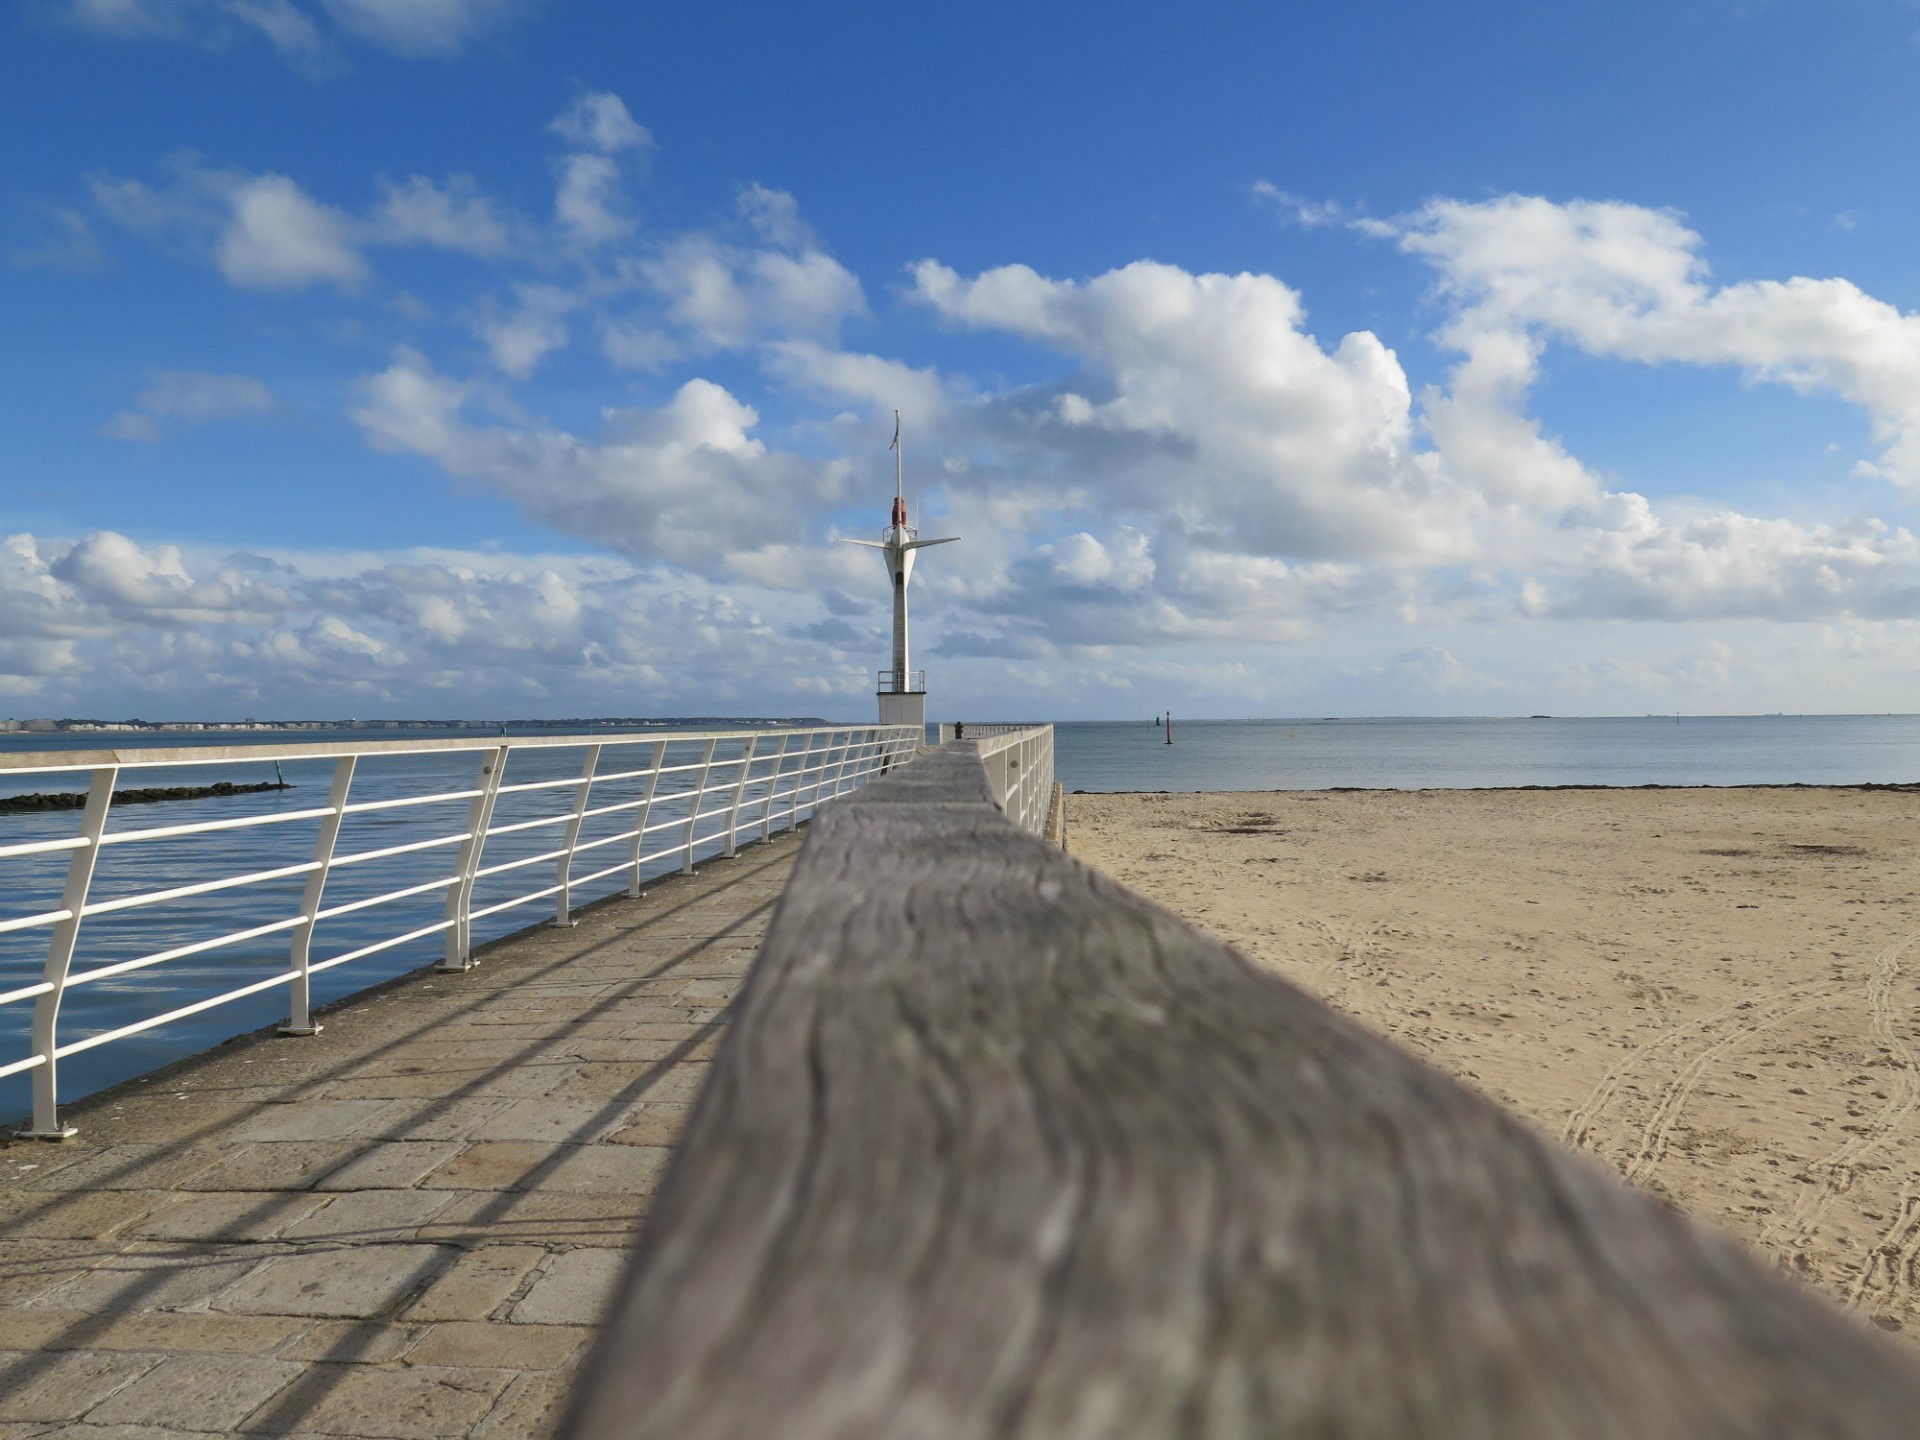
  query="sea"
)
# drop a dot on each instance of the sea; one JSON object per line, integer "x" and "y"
{"x": 1240, "y": 755}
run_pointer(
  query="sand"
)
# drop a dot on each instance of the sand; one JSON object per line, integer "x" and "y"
{"x": 1716, "y": 992}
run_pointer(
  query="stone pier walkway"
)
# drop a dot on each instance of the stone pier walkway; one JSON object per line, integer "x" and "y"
{"x": 403, "y": 1227}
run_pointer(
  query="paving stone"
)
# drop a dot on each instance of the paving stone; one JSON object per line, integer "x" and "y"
{"x": 64, "y": 1386}
{"x": 553, "y": 1118}
{"x": 49, "y": 1215}
{"x": 132, "y": 1167}
{"x": 541, "y": 1078}
{"x": 573, "y": 1289}
{"x": 279, "y": 1165}
{"x": 631, "y": 1083}
{"x": 353, "y": 1284}
{"x": 499, "y": 1346}
{"x": 185, "y": 1333}
{"x": 440, "y": 1118}
{"x": 477, "y": 1284}
{"x": 598, "y": 1169}
{"x": 181, "y": 1115}
{"x": 357, "y": 1342}
{"x": 390, "y": 1165}
{"x": 482, "y": 1216}
{"x": 418, "y": 1403}
{"x": 30, "y": 1268}
{"x": 370, "y": 1215}
{"x": 493, "y": 1165}
{"x": 156, "y": 1275}
{"x": 230, "y": 1215}
{"x": 198, "y": 1392}
{"x": 652, "y": 1125}
{"x": 33, "y": 1329}
{"x": 300, "y": 1119}
{"x": 531, "y": 1409}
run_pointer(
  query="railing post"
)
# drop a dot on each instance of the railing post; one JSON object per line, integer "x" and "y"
{"x": 739, "y": 794}
{"x": 773, "y": 784}
{"x": 799, "y": 780}
{"x": 693, "y": 805}
{"x": 839, "y": 769}
{"x": 562, "y": 914}
{"x": 300, "y": 1002}
{"x": 460, "y": 897}
{"x": 66, "y": 934}
{"x": 640, "y": 825}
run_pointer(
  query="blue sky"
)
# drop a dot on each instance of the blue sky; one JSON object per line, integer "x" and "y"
{"x": 468, "y": 357}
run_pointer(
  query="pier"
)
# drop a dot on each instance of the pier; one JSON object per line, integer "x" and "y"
{"x": 984, "y": 1145}
{"x": 405, "y": 1225}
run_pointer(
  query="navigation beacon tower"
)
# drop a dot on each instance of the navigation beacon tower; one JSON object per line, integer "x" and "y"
{"x": 903, "y": 692}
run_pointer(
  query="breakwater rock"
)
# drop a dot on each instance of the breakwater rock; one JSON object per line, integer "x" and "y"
{"x": 75, "y": 799}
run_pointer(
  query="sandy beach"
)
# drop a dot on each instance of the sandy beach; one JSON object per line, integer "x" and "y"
{"x": 1717, "y": 992}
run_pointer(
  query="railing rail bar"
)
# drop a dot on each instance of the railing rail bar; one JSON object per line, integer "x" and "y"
{"x": 154, "y": 1022}
{"x": 205, "y": 827}
{"x": 205, "y": 887}
{"x": 198, "y": 947}
{"x": 353, "y": 905}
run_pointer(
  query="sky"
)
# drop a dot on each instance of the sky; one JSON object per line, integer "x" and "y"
{"x": 477, "y": 358}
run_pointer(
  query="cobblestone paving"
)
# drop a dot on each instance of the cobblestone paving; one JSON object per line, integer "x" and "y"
{"x": 405, "y": 1226}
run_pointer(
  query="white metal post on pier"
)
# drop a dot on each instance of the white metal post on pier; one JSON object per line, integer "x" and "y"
{"x": 903, "y": 692}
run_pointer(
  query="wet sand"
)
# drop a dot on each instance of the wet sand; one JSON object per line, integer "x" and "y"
{"x": 1717, "y": 992}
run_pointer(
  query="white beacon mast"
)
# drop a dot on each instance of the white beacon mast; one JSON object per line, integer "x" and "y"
{"x": 902, "y": 692}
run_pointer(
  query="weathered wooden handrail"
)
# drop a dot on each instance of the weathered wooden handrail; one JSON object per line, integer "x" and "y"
{"x": 995, "y": 1147}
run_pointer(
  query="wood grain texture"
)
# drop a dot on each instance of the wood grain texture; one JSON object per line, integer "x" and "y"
{"x": 996, "y": 1148}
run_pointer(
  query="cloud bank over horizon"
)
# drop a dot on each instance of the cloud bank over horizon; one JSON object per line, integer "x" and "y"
{"x": 1188, "y": 491}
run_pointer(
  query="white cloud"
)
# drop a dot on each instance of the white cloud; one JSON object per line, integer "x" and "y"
{"x": 775, "y": 217}
{"x": 520, "y": 338}
{"x": 882, "y": 383}
{"x": 586, "y": 203}
{"x": 305, "y": 34}
{"x": 453, "y": 216}
{"x": 599, "y": 120}
{"x": 1629, "y": 282}
{"x": 1298, "y": 210}
{"x": 686, "y": 482}
{"x": 726, "y": 298}
{"x": 265, "y": 232}
{"x": 279, "y": 238}
{"x": 190, "y": 397}
{"x": 1201, "y": 395}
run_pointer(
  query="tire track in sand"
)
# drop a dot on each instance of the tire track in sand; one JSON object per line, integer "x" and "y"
{"x": 1656, "y": 1134}
{"x": 1837, "y": 1166}
{"x": 1581, "y": 1119}
{"x": 1895, "y": 1247}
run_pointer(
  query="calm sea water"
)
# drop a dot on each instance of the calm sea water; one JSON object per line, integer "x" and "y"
{"x": 1205, "y": 755}
{"x": 1474, "y": 754}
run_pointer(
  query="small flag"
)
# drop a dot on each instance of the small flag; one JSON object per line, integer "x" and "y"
{"x": 896, "y": 430}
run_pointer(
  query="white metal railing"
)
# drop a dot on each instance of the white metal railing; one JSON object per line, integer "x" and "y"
{"x": 1019, "y": 761}
{"x": 653, "y": 797}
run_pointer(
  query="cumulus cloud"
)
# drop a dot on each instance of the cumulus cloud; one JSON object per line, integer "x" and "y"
{"x": 306, "y": 34}
{"x": 1630, "y": 282}
{"x": 1204, "y": 396}
{"x": 455, "y": 215}
{"x": 422, "y": 630}
{"x": 725, "y": 297}
{"x": 686, "y": 482}
{"x": 599, "y": 120}
{"x": 190, "y": 397}
{"x": 521, "y": 335}
{"x": 265, "y": 232}
{"x": 588, "y": 203}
